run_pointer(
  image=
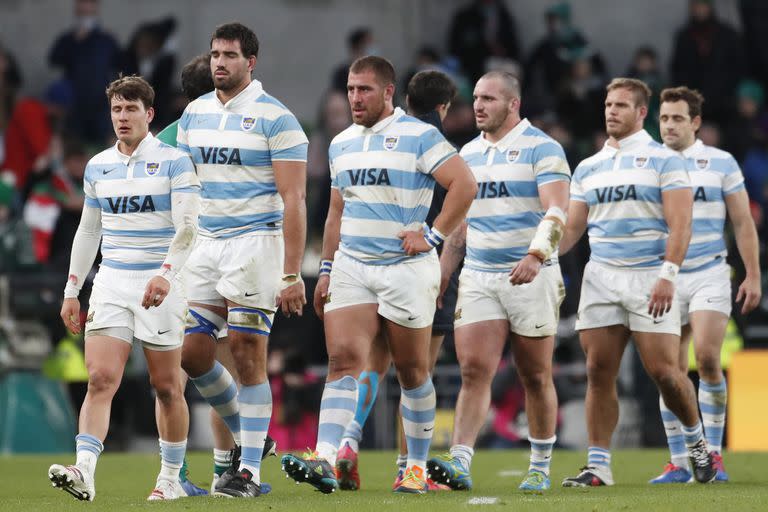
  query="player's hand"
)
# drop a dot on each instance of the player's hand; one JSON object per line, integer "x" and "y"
{"x": 156, "y": 292}
{"x": 526, "y": 270}
{"x": 413, "y": 242}
{"x": 750, "y": 292}
{"x": 292, "y": 299}
{"x": 662, "y": 295}
{"x": 70, "y": 313}
{"x": 321, "y": 294}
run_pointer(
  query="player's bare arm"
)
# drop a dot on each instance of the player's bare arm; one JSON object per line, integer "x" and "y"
{"x": 578, "y": 211}
{"x": 554, "y": 198}
{"x": 750, "y": 291}
{"x": 678, "y": 211}
{"x": 185, "y": 210}
{"x": 331, "y": 237}
{"x": 454, "y": 249}
{"x": 457, "y": 179}
{"x": 291, "y": 181}
{"x": 84, "y": 249}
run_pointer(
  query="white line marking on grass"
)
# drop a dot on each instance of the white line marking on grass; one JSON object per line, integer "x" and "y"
{"x": 483, "y": 500}
{"x": 510, "y": 472}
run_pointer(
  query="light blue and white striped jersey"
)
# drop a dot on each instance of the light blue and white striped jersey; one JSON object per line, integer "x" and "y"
{"x": 507, "y": 210}
{"x": 233, "y": 146}
{"x": 134, "y": 194}
{"x": 714, "y": 174}
{"x": 622, "y": 188}
{"x": 384, "y": 174}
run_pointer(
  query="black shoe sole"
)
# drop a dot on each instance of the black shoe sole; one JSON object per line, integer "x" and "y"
{"x": 297, "y": 469}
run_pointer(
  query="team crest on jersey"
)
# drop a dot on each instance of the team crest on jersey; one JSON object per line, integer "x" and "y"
{"x": 390, "y": 142}
{"x": 702, "y": 163}
{"x": 640, "y": 161}
{"x": 151, "y": 168}
{"x": 247, "y": 123}
{"x": 513, "y": 155}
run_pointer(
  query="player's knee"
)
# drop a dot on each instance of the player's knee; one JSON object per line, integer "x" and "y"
{"x": 665, "y": 376}
{"x": 412, "y": 376}
{"x": 167, "y": 387}
{"x": 536, "y": 379}
{"x": 340, "y": 364}
{"x": 599, "y": 373}
{"x": 476, "y": 370}
{"x": 709, "y": 367}
{"x": 196, "y": 358}
{"x": 102, "y": 380}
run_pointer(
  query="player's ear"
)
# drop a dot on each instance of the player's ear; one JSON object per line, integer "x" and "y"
{"x": 696, "y": 122}
{"x": 150, "y": 114}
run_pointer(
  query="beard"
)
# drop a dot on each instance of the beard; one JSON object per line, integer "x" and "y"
{"x": 492, "y": 123}
{"x": 372, "y": 116}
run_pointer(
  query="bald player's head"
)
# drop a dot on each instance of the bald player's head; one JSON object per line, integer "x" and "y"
{"x": 510, "y": 85}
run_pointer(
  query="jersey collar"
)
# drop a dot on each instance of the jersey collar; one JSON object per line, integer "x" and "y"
{"x": 506, "y": 141}
{"x": 384, "y": 123}
{"x": 693, "y": 149}
{"x": 254, "y": 90}
{"x": 141, "y": 148}
{"x": 638, "y": 138}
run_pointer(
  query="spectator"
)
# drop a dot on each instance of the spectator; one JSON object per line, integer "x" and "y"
{"x": 645, "y": 67}
{"x": 10, "y": 80}
{"x": 57, "y": 202}
{"x": 151, "y": 54}
{"x": 704, "y": 48}
{"x": 754, "y": 22}
{"x": 360, "y": 43}
{"x": 334, "y": 117}
{"x": 482, "y": 29}
{"x": 551, "y": 59}
{"x": 580, "y": 98}
{"x": 429, "y": 59}
{"x": 29, "y": 134}
{"x": 747, "y": 127}
{"x": 90, "y": 59}
{"x": 16, "y": 252}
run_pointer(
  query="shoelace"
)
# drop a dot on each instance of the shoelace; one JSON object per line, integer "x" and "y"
{"x": 411, "y": 476}
{"x": 700, "y": 454}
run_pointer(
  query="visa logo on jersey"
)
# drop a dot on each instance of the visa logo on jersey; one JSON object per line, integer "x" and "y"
{"x": 369, "y": 177}
{"x": 617, "y": 193}
{"x": 491, "y": 190}
{"x": 131, "y": 204}
{"x": 228, "y": 156}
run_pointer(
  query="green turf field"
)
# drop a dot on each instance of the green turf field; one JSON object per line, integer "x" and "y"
{"x": 123, "y": 481}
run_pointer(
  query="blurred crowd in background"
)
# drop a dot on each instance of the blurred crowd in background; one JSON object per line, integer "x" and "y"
{"x": 46, "y": 141}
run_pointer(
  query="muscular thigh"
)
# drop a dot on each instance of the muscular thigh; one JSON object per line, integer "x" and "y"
{"x": 480, "y": 344}
{"x": 350, "y": 331}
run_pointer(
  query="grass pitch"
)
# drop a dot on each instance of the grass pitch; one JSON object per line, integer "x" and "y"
{"x": 123, "y": 481}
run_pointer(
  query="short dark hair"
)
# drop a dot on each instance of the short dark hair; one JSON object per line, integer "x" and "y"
{"x": 427, "y": 90}
{"x": 357, "y": 36}
{"x": 196, "y": 78}
{"x": 692, "y": 97}
{"x": 132, "y": 88}
{"x": 249, "y": 43}
{"x": 381, "y": 67}
{"x": 638, "y": 88}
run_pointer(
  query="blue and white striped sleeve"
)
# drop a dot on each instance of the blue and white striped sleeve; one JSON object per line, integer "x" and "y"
{"x": 549, "y": 163}
{"x": 286, "y": 139}
{"x": 733, "y": 180}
